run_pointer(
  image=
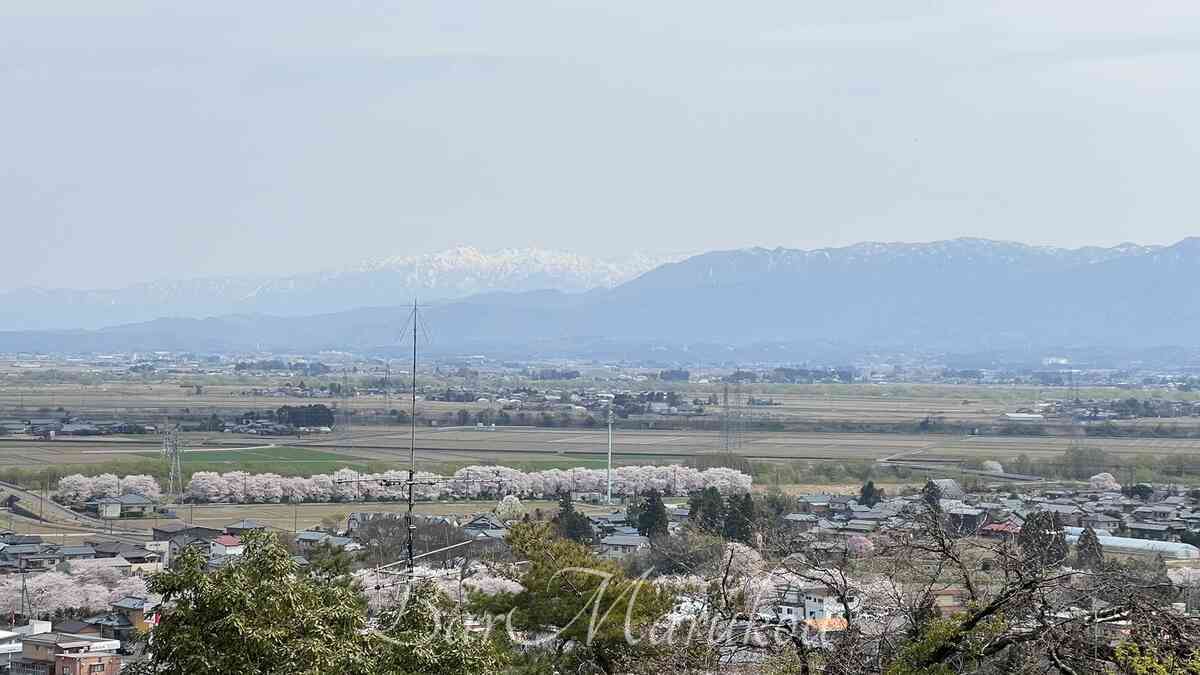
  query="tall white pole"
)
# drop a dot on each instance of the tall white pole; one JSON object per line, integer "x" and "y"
{"x": 609, "y": 476}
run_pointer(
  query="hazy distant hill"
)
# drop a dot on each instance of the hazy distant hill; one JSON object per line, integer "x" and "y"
{"x": 959, "y": 296}
{"x": 455, "y": 273}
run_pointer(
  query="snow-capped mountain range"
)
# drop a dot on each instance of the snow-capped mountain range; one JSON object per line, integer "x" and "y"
{"x": 454, "y": 273}
{"x": 956, "y": 296}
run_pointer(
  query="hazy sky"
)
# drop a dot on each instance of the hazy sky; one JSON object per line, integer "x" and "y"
{"x": 163, "y": 140}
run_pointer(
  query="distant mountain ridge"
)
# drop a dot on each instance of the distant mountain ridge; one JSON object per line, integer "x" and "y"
{"x": 957, "y": 296}
{"x": 449, "y": 274}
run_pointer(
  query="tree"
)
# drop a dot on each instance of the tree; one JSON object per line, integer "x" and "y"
{"x": 739, "y": 519}
{"x": 652, "y": 521}
{"x": 254, "y": 615}
{"x": 707, "y": 510}
{"x": 584, "y": 604}
{"x": 868, "y": 496}
{"x": 410, "y": 647}
{"x": 509, "y": 508}
{"x": 330, "y": 564}
{"x": 931, "y": 494}
{"x": 572, "y": 524}
{"x": 1141, "y": 491}
{"x": 1042, "y": 540}
{"x": 1089, "y": 554}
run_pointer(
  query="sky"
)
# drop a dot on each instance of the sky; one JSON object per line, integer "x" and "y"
{"x": 150, "y": 140}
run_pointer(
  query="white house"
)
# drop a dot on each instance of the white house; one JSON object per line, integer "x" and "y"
{"x": 227, "y": 544}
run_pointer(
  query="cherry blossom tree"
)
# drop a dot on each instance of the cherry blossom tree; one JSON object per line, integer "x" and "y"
{"x": 105, "y": 485}
{"x": 509, "y": 508}
{"x": 141, "y": 484}
{"x": 1104, "y": 481}
{"x": 859, "y": 546}
{"x": 75, "y": 489}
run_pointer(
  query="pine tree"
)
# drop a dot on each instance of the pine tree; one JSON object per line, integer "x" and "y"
{"x": 932, "y": 495}
{"x": 707, "y": 510}
{"x": 868, "y": 496}
{"x": 1089, "y": 554}
{"x": 739, "y": 519}
{"x": 1042, "y": 540}
{"x": 572, "y": 524}
{"x": 652, "y": 521}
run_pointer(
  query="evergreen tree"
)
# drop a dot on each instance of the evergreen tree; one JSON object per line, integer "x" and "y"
{"x": 931, "y": 494}
{"x": 707, "y": 510}
{"x": 739, "y": 519}
{"x": 1042, "y": 540}
{"x": 1089, "y": 554}
{"x": 869, "y": 496}
{"x": 572, "y": 524}
{"x": 652, "y": 521}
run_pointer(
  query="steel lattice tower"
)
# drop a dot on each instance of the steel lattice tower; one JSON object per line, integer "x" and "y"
{"x": 174, "y": 456}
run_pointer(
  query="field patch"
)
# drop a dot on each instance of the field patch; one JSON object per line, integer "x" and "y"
{"x": 284, "y": 460}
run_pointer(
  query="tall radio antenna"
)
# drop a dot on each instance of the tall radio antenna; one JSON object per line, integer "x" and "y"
{"x": 412, "y": 443}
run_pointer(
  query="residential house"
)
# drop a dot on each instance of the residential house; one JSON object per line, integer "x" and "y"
{"x": 125, "y": 506}
{"x": 1154, "y": 531}
{"x": 1101, "y": 521}
{"x": 141, "y": 560}
{"x": 485, "y": 525}
{"x": 241, "y": 527}
{"x": 815, "y": 504}
{"x": 309, "y": 538}
{"x": 169, "y": 530}
{"x": 117, "y": 563}
{"x": 226, "y": 544}
{"x": 10, "y": 644}
{"x": 69, "y": 553}
{"x": 137, "y": 609}
{"x": 800, "y": 522}
{"x": 65, "y": 654}
{"x": 796, "y": 600}
{"x": 620, "y": 545}
{"x": 965, "y": 519}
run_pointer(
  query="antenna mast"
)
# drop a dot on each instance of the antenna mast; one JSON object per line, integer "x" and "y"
{"x": 412, "y": 443}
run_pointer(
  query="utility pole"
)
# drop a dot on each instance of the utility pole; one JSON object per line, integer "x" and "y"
{"x": 609, "y": 474}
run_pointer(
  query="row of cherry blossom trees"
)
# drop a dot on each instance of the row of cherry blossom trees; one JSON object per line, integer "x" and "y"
{"x": 473, "y": 482}
{"x": 79, "y": 589}
{"x": 77, "y": 488}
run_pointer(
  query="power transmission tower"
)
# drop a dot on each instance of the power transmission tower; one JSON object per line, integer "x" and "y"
{"x": 174, "y": 457}
{"x": 732, "y": 418}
